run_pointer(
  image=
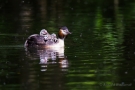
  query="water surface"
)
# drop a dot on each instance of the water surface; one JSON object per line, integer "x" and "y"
{"x": 99, "y": 54}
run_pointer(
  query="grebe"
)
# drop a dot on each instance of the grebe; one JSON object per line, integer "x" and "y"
{"x": 48, "y": 40}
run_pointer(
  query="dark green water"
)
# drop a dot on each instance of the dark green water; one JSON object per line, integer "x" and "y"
{"x": 98, "y": 55}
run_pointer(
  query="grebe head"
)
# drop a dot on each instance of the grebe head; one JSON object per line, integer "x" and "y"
{"x": 63, "y": 32}
{"x": 43, "y": 32}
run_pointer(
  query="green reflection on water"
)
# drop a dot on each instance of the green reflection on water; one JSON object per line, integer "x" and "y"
{"x": 81, "y": 75}
{"x": 83, "y": 83}
{"x": 95, "y": 53}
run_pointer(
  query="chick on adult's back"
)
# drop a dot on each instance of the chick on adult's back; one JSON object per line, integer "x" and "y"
{"x": 48, "y": 40}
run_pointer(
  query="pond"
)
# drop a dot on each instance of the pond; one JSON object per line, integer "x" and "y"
{"x": 99, "y": 54}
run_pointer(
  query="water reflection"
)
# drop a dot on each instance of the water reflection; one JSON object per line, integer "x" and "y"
{"x": 48, "y": 56}
{"x": 101, "y": 49}
{"x": 44, "y": 68}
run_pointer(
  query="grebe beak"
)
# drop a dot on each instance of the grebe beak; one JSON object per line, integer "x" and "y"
{"x": 69, "y": 32}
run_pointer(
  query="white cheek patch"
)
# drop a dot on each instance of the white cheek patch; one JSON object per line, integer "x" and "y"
{"x": 64, "y": 32}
